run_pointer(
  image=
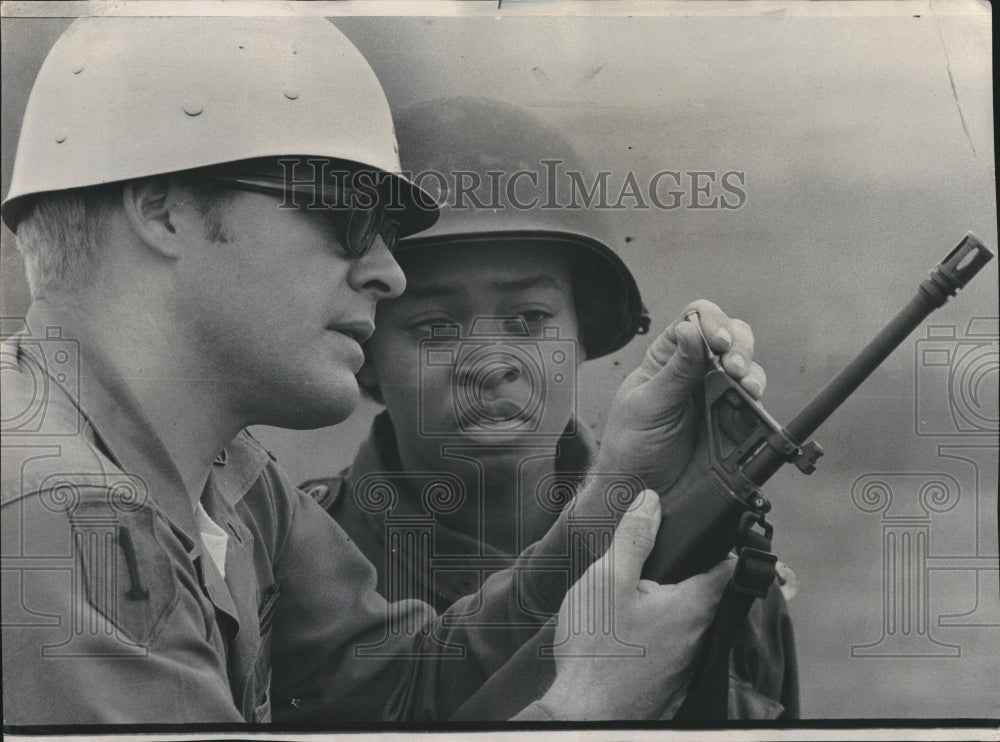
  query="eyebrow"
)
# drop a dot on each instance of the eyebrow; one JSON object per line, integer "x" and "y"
{"x": 442, "y": 288}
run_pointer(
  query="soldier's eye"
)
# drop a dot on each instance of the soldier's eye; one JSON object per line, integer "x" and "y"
{"x": 426, "y": 324}
{"x": 534, "y": 316}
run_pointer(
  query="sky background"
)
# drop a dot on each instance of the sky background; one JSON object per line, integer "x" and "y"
{"x": 865, "y": 132}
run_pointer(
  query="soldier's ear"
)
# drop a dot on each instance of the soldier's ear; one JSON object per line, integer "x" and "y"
{"x": 149, "y": 205}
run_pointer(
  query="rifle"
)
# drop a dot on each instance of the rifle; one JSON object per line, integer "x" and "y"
{"x": 715, "y": 506}
{"x": 705, "y": 516}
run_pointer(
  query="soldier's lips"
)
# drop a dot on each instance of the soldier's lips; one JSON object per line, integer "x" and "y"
{"x": 500, "y": 410}
{"x": 359, "y": 330}
{"x": 354, "y": 333}
{"x": 496, "y": 416}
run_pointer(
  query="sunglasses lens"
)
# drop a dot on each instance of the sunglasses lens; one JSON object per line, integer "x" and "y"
{"x": 361, "y": 231}
{"x": 390, "y": 233}
{"x": 365, "y": 225}
{"x": 357, "y": 228}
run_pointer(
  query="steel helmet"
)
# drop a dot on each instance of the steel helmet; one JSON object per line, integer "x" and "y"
{"x": 123, "y": 98}
{"x": 452, "y": 144}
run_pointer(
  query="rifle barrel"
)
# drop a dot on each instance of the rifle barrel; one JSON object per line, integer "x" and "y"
{"x": 950, "y": 275}
{"x": 841, "y": 386}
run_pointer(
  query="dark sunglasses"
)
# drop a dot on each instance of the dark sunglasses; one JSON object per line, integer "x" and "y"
{"x": 356, "y": 227}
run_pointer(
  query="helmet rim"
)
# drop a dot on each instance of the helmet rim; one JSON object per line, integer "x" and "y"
{"x": 634, "y": 318}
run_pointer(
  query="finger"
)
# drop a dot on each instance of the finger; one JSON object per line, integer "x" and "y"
{"x": 632, "y": 543}
{"x": 715, "y": 324}
{"x": 737, "y": 359}
{"x": 755, "y": 381}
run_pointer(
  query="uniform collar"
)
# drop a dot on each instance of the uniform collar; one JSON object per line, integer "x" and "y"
{"x": 238, "y": 466}
{"x": 380, "y": 453}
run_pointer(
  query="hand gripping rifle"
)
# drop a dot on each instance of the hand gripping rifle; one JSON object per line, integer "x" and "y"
{"x": 707, "y": 515}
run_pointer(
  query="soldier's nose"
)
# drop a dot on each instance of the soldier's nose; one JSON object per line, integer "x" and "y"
{"x": 505, "y": 390}
{"x": 504, "y": 373}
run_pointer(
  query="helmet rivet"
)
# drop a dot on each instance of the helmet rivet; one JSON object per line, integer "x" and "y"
{"x": 78, "y": 69}
{"x": 60, "y": 137}
{"x": 291, "y": 94}
{"x": 193, "y": 107}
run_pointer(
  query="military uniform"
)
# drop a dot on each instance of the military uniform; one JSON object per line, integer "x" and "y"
{"x": 114, "y": 610}
{"x": 344, "y": 497}
{"x": 763, "y": 669}
{"x": 113, "y": 614}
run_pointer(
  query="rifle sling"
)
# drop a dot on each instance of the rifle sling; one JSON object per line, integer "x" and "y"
{"x": 708, "y": 694}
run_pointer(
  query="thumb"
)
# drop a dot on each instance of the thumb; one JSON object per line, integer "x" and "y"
{"x": 701, "y": 592}
{"x": 684, "y": 370}
{"x": 633, "y": 541}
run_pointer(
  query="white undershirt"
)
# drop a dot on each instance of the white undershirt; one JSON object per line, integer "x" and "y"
{"x": 213, "y": 537}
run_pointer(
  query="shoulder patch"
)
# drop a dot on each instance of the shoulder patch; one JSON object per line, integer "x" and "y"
{"x": 125, "y": 571}
{"x": 326, "y": 492}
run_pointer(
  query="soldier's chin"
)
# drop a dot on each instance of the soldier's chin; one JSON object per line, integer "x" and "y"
{"x": 307, "y": 406}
